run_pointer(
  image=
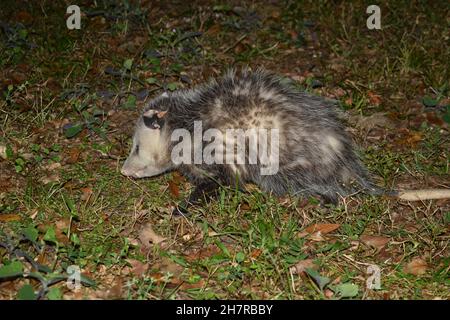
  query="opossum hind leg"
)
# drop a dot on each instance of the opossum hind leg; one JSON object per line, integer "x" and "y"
{"x": 205, "y": 190}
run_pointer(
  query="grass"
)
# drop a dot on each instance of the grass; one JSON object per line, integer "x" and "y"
{"x": 63, "y": 139}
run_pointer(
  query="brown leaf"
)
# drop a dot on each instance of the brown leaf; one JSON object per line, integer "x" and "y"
{"x": 62, "y": 225}
{"x": 86, "y": 194}
{"x": 256, "y": 253}
{"x": 174, "y": 189}
{"x": 24, "y": 17}
{"x": 74, "y": 154}
{"x": 377, "y": 242}
{"x": 413, "y": 139}
{"x": 322, "y": 228}
{"x": 378, "y": 119}
{"x": 245, "y": 206}
{"x": 374, "y": 98}
{"x": 49, "y": 179}
{"x": 202, "y": 253}
{"x": 147, "y": 236}
{"x": 113, "y": 292}
{"x": 434, "y": 119}
{"x": 138, "y": 268}
{"x": 214, "y": 29}
{"x": 9, "y": 217}
{"x": 301, "y": 266}
{"x": 328, "y": 293}
{"x": 52, "y": 166}
{"x": 417, "y": 266}
{"x": 168, "y": 265}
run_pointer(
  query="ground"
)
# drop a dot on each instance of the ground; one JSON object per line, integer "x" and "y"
{"x": 69, "y": 99}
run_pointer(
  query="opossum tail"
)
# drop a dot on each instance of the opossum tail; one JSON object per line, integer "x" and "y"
{"x": 409, "y": 195}
{"x": 423, "y": 194}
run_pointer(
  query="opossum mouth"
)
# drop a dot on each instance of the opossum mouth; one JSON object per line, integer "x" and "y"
{"x": 143, "y": 173}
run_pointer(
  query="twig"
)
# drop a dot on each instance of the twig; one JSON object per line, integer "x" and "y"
{"x": 235, "y": 44}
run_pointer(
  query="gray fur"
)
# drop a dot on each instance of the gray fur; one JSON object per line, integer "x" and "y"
{"x": 316, "y": 154}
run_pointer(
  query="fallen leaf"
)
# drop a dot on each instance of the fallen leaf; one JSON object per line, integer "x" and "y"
{"x": 416, "y": 266}
{"x": 378, "y": 119}
{"x": 202, "y": 253}
{"x": 377, "y": 242}
{"x": 345, "y": 290}
{"x": 301, "y": 266}
{"x": 113, "y": 292}
{"x": 62, "y": 225}
{"x": 256, "y": 253}
{"x": 147, "y": 236}
{"x": 168, "y": 265}
{"x": 138, "y": 268}
{"x": 174, "y": 189}
{"x": 322, "y": 227}
{"x": 86, "y": 194}
{"x": 5, "y": 184}
{"x": 414, "y": 138}
{"x": 374, "y": 98}
{"x": 9, "y": 217}
{"x": 328, "y": 293}
{"x": 434, "y": 119}
{"x": 316, "y": 236}
{"x": 214, "y": 29}
{"x": 50, "y": 178}
{"x": 74, "y": 154}
{"x": 52, "y": 166}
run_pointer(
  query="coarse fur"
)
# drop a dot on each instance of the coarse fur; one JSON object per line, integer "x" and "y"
{"x": 316, "y": 154}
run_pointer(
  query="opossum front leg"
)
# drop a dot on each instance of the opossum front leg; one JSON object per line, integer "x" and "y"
{"x": 205, "y": 190}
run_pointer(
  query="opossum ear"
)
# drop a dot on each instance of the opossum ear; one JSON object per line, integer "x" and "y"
{"x": 154, "y": 119}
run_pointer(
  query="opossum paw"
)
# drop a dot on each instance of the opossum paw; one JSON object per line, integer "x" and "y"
{"x": 326, "y": 201}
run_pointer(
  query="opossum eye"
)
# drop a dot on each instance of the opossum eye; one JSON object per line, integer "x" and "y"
{"x": 153, "y": 122}
{"x": 136, "y": 150}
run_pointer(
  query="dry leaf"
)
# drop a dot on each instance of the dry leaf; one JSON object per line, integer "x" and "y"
{"x": 114, "y": 292}
{"x": 328, "y": 293}
{"x": 174, "y": 189}
{"x": 301, "y": 266}
{"x": 138, "y": 268}
{"x": 9, "y": 217}
{"x": 49, "y": 179}
{"x": 86, "y": 194}
{"x": 52, "y": 166}
{"x": 417, "y": 266}
{"x": 147, "y": 236}
{"x": 316, "y": 236}
{"x": 322, "y": 228}
{"x": 168, "y": 265}
{"x": 202, "y": 253}
{"x": 256, "y": 253}
{"x": 378, "y": 119}
{"x": 62, "y": 225}
{"x": 374, "y": 98}
{"x": 74, "y": 154}
{"x": 377, "y": 242}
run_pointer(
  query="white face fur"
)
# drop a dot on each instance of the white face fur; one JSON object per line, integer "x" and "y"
{"x": 148, "y": 156}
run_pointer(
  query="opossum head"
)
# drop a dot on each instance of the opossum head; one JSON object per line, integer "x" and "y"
{"x": 149, "y": 155}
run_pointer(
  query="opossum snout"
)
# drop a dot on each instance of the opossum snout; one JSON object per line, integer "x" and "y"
{"x": 129, "y": 172}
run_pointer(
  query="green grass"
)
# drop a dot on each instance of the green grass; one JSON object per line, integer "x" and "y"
{"x": 64, "y": 202}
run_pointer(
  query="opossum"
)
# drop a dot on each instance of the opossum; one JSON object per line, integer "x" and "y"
{"x": 313, "y": 155}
